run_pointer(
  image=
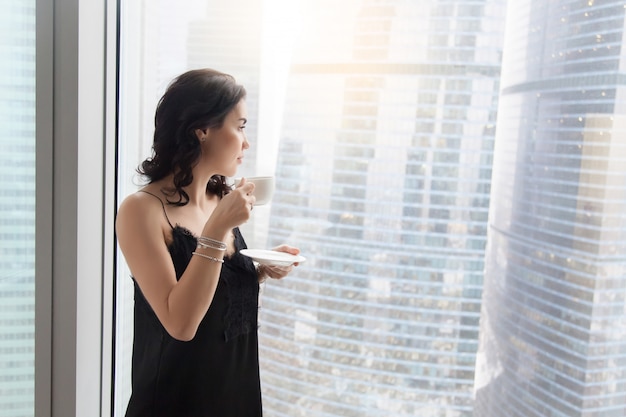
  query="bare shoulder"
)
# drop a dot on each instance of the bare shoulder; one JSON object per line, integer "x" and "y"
{"x": 138, "y": 201}
{"x": 141, "y": 215}
{"x": 141, "y": 228}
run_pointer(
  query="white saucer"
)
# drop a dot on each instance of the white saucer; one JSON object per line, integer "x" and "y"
{"x": 272, "y": 257}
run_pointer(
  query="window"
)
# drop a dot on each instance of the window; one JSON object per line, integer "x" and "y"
{"x": 17, "y": 209}
{"x": 431, "y": 286}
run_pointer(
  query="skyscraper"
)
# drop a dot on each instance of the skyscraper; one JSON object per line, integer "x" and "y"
{"x": 383, "y": 181}
{"x": 552, "y": 338}
{"x": 17, "y": 208}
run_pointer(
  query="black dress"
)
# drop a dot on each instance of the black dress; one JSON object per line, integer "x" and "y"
{"x": 217, "y": 373}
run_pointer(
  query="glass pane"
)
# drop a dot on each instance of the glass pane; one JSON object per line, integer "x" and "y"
{"x": 382, "y": 165}
{"x": 17, "y": 208}
{"x": 553, "y": 322}
{"x": 378, "y": 120}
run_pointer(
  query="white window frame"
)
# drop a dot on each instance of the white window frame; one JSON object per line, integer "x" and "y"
{"x": 76, "y": 51}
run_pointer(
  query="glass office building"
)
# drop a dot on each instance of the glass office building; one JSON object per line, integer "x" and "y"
{"x": 17, "y": 208}
{"x": 553, "y": 324}
{"x": 383, "y": 182}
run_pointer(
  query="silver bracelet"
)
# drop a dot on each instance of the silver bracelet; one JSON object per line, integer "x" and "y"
{"x": 210, "y": 246}
{"x": 207, "y": 242}
{"x": 211, "y": 258}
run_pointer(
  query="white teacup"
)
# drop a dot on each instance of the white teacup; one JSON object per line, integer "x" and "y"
{"x": 263, "y": 188}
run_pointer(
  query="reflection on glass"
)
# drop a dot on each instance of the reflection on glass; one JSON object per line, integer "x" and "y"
{"x": 17, "y": 208}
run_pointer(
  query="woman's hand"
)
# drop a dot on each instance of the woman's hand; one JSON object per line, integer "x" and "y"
{"x": 233, "y": 209}
{"x": 278, "y": 272}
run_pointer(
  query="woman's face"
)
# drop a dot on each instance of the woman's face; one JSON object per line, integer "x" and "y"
{"x": 223, "y": 147}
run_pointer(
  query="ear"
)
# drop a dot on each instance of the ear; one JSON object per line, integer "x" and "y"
{"x": 202, "y": 134}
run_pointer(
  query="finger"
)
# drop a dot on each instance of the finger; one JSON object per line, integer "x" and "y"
{"x": 276, "y": 276}
{"x": 278, "y": 272}
{"x": 245, "y": 186}
{"x": 283, "y": 248}
{"x": 288, "y": 249}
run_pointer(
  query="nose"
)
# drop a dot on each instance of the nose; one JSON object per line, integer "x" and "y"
{"x": 245, "y": 144}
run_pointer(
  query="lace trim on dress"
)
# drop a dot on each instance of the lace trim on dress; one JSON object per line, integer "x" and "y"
{"x": 243, "y": 293}
{"x": 238, "y": 273}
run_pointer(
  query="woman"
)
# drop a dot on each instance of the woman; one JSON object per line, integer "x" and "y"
{"x": 195, "y": 349}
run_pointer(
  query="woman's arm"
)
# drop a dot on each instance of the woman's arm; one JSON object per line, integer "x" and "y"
{"x": 179, "y": 305}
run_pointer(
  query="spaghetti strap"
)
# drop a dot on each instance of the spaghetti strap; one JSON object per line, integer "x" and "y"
{"x": 162, "y": 205}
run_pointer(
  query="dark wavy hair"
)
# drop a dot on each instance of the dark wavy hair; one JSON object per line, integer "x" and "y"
{"x": 197, "y": 99}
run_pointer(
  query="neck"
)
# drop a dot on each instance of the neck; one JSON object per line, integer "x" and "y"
{"x": 196, "y": 190}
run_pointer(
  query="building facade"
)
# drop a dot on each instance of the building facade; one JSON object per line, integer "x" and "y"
{"x": 383, "y": 182}
{"x": 552, "y": 335}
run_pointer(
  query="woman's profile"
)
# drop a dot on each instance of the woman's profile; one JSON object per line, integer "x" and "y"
{"x": 195, "y": 348}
